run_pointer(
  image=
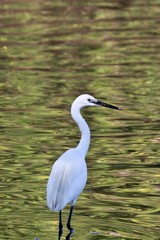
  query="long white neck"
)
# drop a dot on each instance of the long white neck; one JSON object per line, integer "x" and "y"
{"x": 83, "y": 126}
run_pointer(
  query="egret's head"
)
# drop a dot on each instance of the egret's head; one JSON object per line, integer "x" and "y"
{"x": 87, "y": 100}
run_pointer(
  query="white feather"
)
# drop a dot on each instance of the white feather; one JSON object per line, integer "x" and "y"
{"x": 67, "y": 180}
{"x": 69, "y": 173}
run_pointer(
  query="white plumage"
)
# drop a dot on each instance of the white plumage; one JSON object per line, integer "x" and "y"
{"x": 67, "y": 180}
{"x": 69, "y": 173}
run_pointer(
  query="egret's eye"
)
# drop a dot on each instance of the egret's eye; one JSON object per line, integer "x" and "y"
{"x": 89, "y": 100}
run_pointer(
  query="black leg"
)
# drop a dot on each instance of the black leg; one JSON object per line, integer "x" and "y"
{"x": 69, "y": 220}
{"x": 59, "y": 234}
{"x": 68, "y": 236}
{"x": 60, "y": 221}
{"x": 60, "y": 226}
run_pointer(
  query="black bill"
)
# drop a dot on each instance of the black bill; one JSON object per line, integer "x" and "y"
{"x": 107, "y": 105}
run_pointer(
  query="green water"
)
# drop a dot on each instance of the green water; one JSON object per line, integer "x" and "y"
{"x": 50, "y": 52}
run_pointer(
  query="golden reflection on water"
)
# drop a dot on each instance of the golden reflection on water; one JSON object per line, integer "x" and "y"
{"x": 51, "y": 52}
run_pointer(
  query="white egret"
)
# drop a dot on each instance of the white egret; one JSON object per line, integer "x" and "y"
{"x": 69, "y": 173}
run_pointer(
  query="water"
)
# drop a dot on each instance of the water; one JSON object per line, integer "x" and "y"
{"x": 52, "y": 51}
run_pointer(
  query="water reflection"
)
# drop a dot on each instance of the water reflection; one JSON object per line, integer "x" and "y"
{"x": 67, "y": 236}
{"x": 51, "y": 52}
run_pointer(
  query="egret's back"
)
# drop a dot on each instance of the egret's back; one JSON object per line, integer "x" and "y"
{"x": 67, "y": 180}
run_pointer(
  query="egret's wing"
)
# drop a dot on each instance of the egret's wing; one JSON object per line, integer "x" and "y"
{"x": 72, "y": 184}
{"x": 67, "y": 180}
{"x": 54, "y": 184}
